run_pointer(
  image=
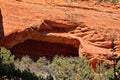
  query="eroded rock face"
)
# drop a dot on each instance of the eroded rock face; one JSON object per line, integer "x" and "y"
{"x": 39, "y": 48}
{"x": 65, "y": 29}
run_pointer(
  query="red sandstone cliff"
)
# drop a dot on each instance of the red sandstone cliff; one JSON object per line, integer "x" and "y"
{"x": 41, "y": 27}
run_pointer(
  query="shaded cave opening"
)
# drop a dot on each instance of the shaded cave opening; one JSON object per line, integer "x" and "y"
{"x": 36, "y": 49}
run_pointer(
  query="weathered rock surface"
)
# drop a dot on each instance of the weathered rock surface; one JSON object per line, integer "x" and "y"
{"x": 47, "y": 28}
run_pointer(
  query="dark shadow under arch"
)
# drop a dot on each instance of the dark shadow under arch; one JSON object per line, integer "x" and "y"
{"x": 36, "y": 49}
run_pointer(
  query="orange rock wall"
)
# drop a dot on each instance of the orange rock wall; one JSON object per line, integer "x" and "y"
{"x": 86, "y": 27}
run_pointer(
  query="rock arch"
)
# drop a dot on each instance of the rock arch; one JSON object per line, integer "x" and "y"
{"x": 48, "y": 39}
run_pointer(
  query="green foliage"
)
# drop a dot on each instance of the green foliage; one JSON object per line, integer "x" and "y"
{"x": 72, "y": 68}
{"x": 108, "y": 1}
{"x": 24, "y": 63}
{"x": 106, "y": 72}
{"x": 9, "y": 71}
{"x": 6, "y": 56}
{"x": 118, "y": 69}
{"x": 60, "y": 68}
{"x": 6, "y": 63}
{"x": 40, "y": 67}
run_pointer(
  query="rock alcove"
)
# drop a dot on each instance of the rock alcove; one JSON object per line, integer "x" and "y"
{"x": 47, "y": 39}
{"x": 36, "y": 49}
{"x": 46, "y": 42}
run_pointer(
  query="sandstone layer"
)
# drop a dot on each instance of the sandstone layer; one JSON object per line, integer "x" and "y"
{"x": 44, "y": 28}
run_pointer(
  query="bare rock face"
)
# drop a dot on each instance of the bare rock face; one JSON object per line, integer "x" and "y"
{"x": 43, "y": 28}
